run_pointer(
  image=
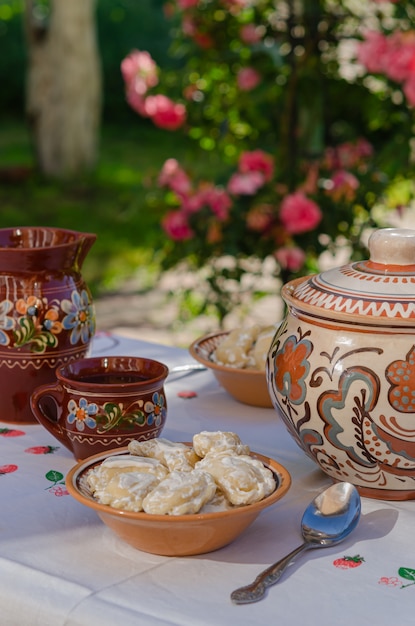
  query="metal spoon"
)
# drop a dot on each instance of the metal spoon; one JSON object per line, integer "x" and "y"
{"x": 178, "y": 371}
{"x": 327, "y": 520}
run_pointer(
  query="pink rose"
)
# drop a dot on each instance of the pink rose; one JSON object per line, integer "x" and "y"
{"x": 299, "y": 214}
{"x": 400, "y": 57}
{"x": 140, "y": 69}
{"x": 245, "y": 184}
{"x": 371, "y": 51}
{"x": 250, "y": 33}
{"x": 347, "y": 155}
{"x": 219, "y": 202}
{"x": 174, "y": 177}
{"x": 290, "y": 258}
{"x": 189, "y": 27}
{"x": 193, "y": 203}
{"x": 343, "y": 184}
{"x": 215, "y": 198}
{"x": 135, "y": 100}
{"x": 176, "y": 226}
{"x": 343, "y": 178}
{"x": 164, "y": 112}
{"x": 257, "y": 161}
{"x": 248, "y": 78}
{"x": 364, "y": 149}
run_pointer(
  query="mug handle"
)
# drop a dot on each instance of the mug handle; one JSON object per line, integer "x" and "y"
{"x": 46, "y": 404}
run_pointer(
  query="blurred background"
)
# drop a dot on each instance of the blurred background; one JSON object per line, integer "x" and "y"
{"x": 105, "y": 199}
{"x": 292, "y": 84}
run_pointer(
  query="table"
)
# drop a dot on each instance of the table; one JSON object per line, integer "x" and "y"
{"x": 60, "y": 566}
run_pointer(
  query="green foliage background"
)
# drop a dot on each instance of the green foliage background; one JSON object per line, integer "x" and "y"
{"x": 121, "y": 26}
{"x": 118, "y": 201}
{"x": 112, "y": 201}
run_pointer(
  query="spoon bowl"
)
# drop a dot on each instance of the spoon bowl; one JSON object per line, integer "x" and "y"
{"x": 331, "y": 516}
{"x": 328, "y": 519}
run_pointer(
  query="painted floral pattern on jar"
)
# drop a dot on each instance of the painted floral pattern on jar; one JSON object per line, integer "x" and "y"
{"x": 341, "y": 367}
{"x": 356, "y": 423}
{"x": 39, "y": 323}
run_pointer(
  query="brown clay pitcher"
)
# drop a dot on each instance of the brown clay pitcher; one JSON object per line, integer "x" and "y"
{"x": 47, "y": 316}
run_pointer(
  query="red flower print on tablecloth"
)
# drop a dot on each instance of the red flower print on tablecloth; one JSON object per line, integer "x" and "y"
{"x": 42, "y": 449}
{"x": 11, "y": 432}
{"x": 7, "y": 469}
{"x": 187, "y": 394}
{"x": 389, "y": 581}
{"x": 407, "y": 573}
{"x": 59, "y": 491}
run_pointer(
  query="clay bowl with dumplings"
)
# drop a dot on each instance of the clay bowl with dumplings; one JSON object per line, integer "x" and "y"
{"x": 247, "y": 385}
{"x": 174, "y": 535}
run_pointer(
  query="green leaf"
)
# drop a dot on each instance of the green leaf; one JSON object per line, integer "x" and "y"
{"x": 54, "y": 476}
{"x": 407, "y": 572}
{"x": 24, "y": 332}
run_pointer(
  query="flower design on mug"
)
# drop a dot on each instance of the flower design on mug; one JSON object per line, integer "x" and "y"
{"x": 82, "y": 414}
{"x": 156, "y": 409}
{"x": 79, "y": 317}
{"x": 291, "y": 368}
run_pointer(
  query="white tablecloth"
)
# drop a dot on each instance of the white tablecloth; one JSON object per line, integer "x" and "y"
{"x": 59, "y": 565}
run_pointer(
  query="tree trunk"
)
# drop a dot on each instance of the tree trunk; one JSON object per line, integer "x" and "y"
{"x": 63, "y": 85}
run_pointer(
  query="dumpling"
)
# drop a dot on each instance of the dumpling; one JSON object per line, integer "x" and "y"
{"x": 112, "y": 466}
{"x": 234, "y": 349}
{"x": 242, "y": 479}
{"x": 180, "y": 493}
{"x": 127, "y": 490}
{"x": 261, "y": 347}
{"x": 211, "y": 442}
{"x": 175, "y": 456}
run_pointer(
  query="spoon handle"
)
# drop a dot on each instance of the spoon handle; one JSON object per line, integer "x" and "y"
{"x": 184, "y": 370}
{"x": 256, "y": 590}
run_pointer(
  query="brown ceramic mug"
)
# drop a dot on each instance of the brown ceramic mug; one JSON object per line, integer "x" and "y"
{"x": 101, "y": 403}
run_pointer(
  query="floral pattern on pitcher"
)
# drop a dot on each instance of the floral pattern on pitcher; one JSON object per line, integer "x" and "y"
{"x": 111, "y": 415}
{"x": 40, "y": 322}
{"x": 6, "y": 322}
{"x": 79, "y": 319}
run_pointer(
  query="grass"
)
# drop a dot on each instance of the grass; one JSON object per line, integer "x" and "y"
{"x": 111, "y": 202}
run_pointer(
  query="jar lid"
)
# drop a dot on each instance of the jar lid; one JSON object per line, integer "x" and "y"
{"x": 379, "y": 290}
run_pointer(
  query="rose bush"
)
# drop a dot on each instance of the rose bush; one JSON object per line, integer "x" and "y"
{"x": 302, "y": 114}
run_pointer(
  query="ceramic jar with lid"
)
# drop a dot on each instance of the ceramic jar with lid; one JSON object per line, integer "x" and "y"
{"x": 341, "y": 368}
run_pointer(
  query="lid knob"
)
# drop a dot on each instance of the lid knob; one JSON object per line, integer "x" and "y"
{"x": 392, "y": 246}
